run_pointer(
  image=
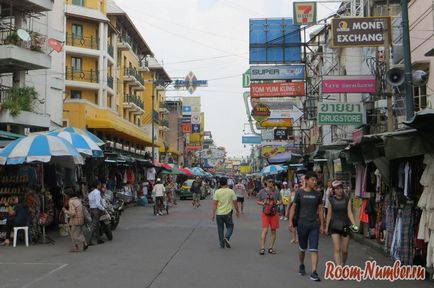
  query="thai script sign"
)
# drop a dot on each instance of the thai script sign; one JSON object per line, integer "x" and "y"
{"x": 340, "y": 114}
{"x": 360, "y": 31}
{"x": 260, "y": 112}
{"x": 277, "y": 89}
{"x": 282, "y": 72}
{"x": 304, "y": 13}
{"x": 348, "y": 84}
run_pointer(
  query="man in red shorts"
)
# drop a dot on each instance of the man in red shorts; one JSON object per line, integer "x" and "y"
{"x": 269, "y": 198}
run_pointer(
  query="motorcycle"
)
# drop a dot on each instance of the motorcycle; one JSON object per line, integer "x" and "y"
{"x": 117, "y": 209}
{"x": 105, "y": 225}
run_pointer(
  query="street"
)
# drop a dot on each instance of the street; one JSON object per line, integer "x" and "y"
{"x": 178, "y": 250}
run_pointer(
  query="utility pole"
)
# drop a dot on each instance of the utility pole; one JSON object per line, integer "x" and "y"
{"x": 387, "y": 91}
{"x": 152, "y": 117}
{"x": 409, "y": 101}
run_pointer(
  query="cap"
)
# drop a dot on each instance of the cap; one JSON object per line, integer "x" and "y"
{"x": 337, "y": 183}
{"x": 158, "y": 179}
{"x": 285, "y": 183}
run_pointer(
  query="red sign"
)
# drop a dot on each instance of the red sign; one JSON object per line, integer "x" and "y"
{"x": 277, "y": 89}
{"x": 348, "y": 84}
{"x": 357, "y": 136}
{"x": 194, "y": 147}
{"x": 186, "y": 128}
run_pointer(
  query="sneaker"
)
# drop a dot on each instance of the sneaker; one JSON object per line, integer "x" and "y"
{"x": 228, "y": 244}
{"x": 285, "y": 218}
{"x": 314, "y": 276}
{"x": 301, "y": 270}
{"x": 281, "y": 217}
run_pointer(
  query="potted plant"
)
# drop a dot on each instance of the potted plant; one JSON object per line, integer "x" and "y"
{"x": 12, "y": 38}
{"x": 21, "y": 99}
{"x": 37, "y": 41}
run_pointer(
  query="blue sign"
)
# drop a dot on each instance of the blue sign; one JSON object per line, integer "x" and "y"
{"x": 186, "y": 109}
{"x": 251, "y": 139}
{"x": 195, "y": 128}
{"x": 277, "y": 72}
{"x": 274, "y": 41}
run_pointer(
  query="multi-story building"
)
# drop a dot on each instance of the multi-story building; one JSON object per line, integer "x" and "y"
{"x": 175, "y": 137}
{"x": 108, "y": 83}
{"x": 28, "y": 74}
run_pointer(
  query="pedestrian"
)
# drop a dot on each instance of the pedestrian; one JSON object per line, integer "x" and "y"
{"x": 96, "y": 210}
{"x": 285, "y": 193}
{"x": 310, "y": 222}
{"x": 170, "y": 187}
{"x": 76, "y": 220}
{"x": 231, "y": 183}
{"x": 196, "y": 190}
{"x": 158, "y": 192}
{"x": 327, "y": 194}
{"x": 225, "y": 201}
{"x": 340, "y": 220}
{"x": 240, "y": 192}
{"x": 18, "y": 215}
{"x": 269, "y": 198}
{"x": 295, "y": 188}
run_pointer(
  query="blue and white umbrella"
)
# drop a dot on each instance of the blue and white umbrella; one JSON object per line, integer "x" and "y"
{"x": 39, "y": 148}
{"x": 81, "y": 142}
{"x": 272, "y": 170}
{"x": 92, "y": 136}
{"x": 197, "y": 171}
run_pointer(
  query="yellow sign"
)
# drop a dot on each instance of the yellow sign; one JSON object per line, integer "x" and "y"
{"x": 269, "y": 151}
{"x": 284, "y": 122}
{"x": 245, "y": 169}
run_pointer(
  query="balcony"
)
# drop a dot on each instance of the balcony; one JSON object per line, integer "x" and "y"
{"x": 125, "y": 43}
{"x": 18, "y": 55}
{"x": 87, "y": 79}
{"x": 134, "y": 104}
{"x": 33, "y": 5}
{"x": 91, "y": 42}
{"x": 133, "y": 76}
{"x": 163, "y": 108}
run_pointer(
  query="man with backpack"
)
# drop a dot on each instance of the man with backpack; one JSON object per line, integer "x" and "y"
{"x": 269, "y": 198}
{"x": 309, "y": 220}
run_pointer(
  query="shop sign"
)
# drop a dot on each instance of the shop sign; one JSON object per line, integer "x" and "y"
{"x": 260, "y": 112}
{"x": 294, "y": 113}
{"x": 195, "y": 118}
{"x": 186, "y": 119}
{"x": 280, "y": 134}
{"x": 193, "y": 147}
{"x": 211, "y": 153}
{"x": 186, "y": 128}
{"x": 269, "y": 151}
{"x": 360, "y": 31}
{"x": 349, "y": 84}
{"x": 186, "y": 110}
{"x": 267, "y": 134}
{"x": 314, "y": 134}
{"x": 285, "y": 122}
{"x": 304, "y": 13}
{"x": 281, "y": 72}
{"x": 340, "y": 114}
{"x": 277, "y": 89}
{"x": 357, "y": 136}
{"x": 253, "y": 139}
{"x": 246, "y": 79}
{"x": 195, "y": 128}
{"x": 190, "y": 83}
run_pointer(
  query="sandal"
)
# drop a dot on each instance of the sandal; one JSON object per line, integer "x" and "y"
{"x": 272, "y": 251}
{"x": 262, "y": 252}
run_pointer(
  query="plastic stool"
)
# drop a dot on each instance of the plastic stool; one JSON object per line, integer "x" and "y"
{"x": 26, "y": 236}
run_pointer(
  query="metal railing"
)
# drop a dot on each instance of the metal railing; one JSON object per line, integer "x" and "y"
{"x": 110, "y": 50}
{"x": 81, "y": 75}
{"x": 91, "y": 42}
{"x": 110, "y": 81}
{"x": 135, "y": 100}
{"x": 164, "y": 122}
{"x": 4, "y": 93}
{"x": 38, "y": 41}
{"x": 128, "y": 71}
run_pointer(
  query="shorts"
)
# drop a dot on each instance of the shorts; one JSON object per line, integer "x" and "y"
{"x": 240, "y": 199}
{"x": 196, "y": 196}
{"x": 270, "y": 221}
{"x": 308, "y": 233}
{"x": 343, "y": 233}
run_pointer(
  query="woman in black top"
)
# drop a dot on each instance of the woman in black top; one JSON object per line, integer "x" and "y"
{"x": 340, "y": 220}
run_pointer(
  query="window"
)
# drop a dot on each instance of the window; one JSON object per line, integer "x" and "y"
{"x": 77, "y": 31}
{"x": 419, "y": 93}
{"x": 78, "y": 2}
{"x": 76, "y": 64}
{"x": 75, "y": 94}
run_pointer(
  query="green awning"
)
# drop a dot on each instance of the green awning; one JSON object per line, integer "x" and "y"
{"x": 9, "y": 135}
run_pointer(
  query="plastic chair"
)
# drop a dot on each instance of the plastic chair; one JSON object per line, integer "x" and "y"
{"x": 26, "y": 236}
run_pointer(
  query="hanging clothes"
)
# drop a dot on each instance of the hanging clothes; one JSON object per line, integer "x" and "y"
{"x": 396, "y": 240}
{"x": 390, "y": 222}
{"x": 150, "y": 174}
{"x": 359, "y": 179}
{"x": 363, "y": 215}
{"x": 407, "y": 179}
{"x": 407, "y": 246}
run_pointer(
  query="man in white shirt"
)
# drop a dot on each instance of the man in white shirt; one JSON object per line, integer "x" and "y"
{"x": 96, "y": 209}
{"x": 158, "y": 192}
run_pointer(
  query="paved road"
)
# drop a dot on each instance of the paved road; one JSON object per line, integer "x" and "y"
{"x": 179, "y": 250}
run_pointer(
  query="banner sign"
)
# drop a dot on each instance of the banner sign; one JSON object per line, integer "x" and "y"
{"x": 195, "y": 128}
{"x": 357, "y": 136}
{"x": 277, "y": 89}
{"x": 277, "y": 123}
{"x": 282, "y": 72}
{"x": 190, "y": 83}
{"x": 349, "y": 84}
{"x": 304, "y": 13}
{"x": 360, "y": 31}
{"x": 186, "y": 110}
{"x": 193, "y": 147}
{"x": 267, "y": 134}
{"x": 269, "y": 151}
{"x": 281, "y": 134}
{"x": 211, "y": 153}
{"x": 254, "y": 139}
{"x": 186, "y": 128}
{"x": 260, "y": 112}
{"x": 340, "y": 113}
{"x": 246, "y": 79}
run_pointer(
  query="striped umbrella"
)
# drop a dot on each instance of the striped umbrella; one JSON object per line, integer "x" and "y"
{"x": 81, "y": 142}
{"x": 39, "y": 148}
{"x": 197, "y": 171}
{"x": 186, "y": 171}
{"x": 92, "y": 136}
{"x": 272, "y": 170}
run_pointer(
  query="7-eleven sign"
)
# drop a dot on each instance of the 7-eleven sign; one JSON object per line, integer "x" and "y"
{"x": 304, "y": 13}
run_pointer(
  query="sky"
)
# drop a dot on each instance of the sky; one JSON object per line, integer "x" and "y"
{"x": 209, "y": 38}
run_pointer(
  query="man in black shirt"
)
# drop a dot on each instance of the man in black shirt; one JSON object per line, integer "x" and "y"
{"x": 310, "y": 222}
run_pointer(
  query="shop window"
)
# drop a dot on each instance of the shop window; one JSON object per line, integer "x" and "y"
{"x": 75, "y": 94}
{"x": 420, "y": 101}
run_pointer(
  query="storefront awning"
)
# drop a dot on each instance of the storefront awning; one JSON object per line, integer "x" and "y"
{"x": 422, "y": 122}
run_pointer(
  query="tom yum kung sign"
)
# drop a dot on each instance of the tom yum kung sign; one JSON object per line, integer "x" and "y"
{"x": 360, "y": 31}
{"x": 341, "y": 114}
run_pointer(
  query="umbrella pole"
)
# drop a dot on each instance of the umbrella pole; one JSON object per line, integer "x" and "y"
{"x": 44, "y": 236}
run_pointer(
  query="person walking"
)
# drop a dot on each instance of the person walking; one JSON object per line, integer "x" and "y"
{"x": 340, "y": 220}
{"x": 96, "y": 210}
{"x": 240, "y": 192}
{"x": 269, "y": 198}
{"x": 285, "y": 193}
{"x": 225, "y": 201}
{"x": 310, "y": 222}
{"x": 196, "y": 190}
{"x": 327, "y": 194}
{"x": 76, "y": 220}
{"x": 295, "y": 188}
{"x": 158, "y": 192}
